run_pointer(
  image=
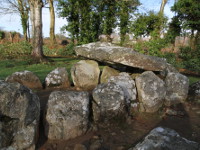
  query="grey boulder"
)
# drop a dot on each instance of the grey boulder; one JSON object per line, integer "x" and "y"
{"x": 26, "y": 78}
{"x": 177, "y": 88}
{"x": 58, "y": 78}
{"x": 107, "y": 73}
{"x": 165, "y": 139}
{"x": 19, "y": 113}
{"x": 108, "y": 102}
{"x": 151, "y": 91}
{"x": 67, "y": 115}
{"x": 125, "y": 81}
{"x": 85, "y": 74}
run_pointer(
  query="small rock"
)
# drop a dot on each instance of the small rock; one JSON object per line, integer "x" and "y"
{"x": 80, "y": 147}
{"x": 95, "y": 144}
{"x": 194, "y": 91}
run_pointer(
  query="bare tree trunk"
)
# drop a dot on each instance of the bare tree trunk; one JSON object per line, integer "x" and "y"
{"x": 52, "y": 22}
{"x": 162, "y": 6}
{"x": 36, "y": 20}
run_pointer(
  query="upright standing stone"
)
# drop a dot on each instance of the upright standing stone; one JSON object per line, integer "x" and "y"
{"x": 67, "y": 115}
{"x": 151, "y": 91}
{"x": 177, "y": 88}
{"x": 127, "y": 84}
{"x": 108, "y": 102}
{"x": 58, "y": 78}
{"x": 19, "y": 116}
{"x": 85, "y": 74}
{"x": 107, "y": 73}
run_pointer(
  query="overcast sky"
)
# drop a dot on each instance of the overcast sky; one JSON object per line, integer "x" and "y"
{"x": 12, "y": 22}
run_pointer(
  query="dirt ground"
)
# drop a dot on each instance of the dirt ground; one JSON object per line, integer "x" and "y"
{"x": 125, "y": 134}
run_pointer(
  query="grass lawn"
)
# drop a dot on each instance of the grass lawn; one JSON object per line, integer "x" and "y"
{"x": 7, "y": 67}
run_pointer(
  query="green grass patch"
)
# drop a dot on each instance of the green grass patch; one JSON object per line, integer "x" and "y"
{"x": 193, "y": 79}
{"x": 41, "y": 70}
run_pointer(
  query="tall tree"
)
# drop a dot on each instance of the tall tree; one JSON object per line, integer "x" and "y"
{"x": 148, "y": 24}
{"x": 126, "y": 8}
{"x": 69, "y": 9}
{"x": 188, "y": 12}
{"x": 52, "y": 21}
{"x": 109, "y": 16}
{"x": 17, "y": 6}
{"x": 36, "y": 20}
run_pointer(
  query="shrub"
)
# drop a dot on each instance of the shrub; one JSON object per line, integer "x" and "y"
{"x": 190, "y": 58}
{"x": 152, "y": 47}
{"x": 15, "y": 50}
{"x": 2, "y": 35}
{"x": 65, "y": 51}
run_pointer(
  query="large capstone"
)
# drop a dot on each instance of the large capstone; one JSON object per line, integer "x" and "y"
{"x": 26, "y": 78}
{"x": 58, "y": 78}
{"x": 67, "y": 115}
{"x": 108, "y": 102}
{"x": 165, "y": 139}
{"x": 177, "y": 88}
{"x": 125, "y": 81}
{"x": 85, "y": 74}
{"x": 107, "y": 52}
{"x": 151, "y": 91}
{"x": 107, "y": 73}
{"x": 19, "y": 116}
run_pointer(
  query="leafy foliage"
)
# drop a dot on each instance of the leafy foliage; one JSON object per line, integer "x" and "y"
{"x": 87, "y": 19}
{"x": 126, "y": 8}
{"x": 2, "y": 34}
{"x": 15, "y": 50}
{"x": 188, "y": 11}
{"x": 148, "y": 24}
{"x": 65, "y": 51}
{"x": 151, "y": 47}
{"x": 190, "y": 58}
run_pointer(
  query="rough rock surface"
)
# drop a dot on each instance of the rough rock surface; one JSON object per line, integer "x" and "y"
{"x": 128, "y": 85}
{"x": 151, "y": 91}
{"x": 107, "y": 52}
{"x": 58, "y": 77}
{"x": 85, "y": 74}
{"x": 26, "y": 78}
{"x": 194, "y": 91}
{"x": 177, "y": 88}
{"x": 67, "y": 115}
{"x": 169, "y": 69}
{"x": 107, "y": 73}
{"x": 108, "y": 102}
{"x": 165, "y": 139}
{"x": 19, "y": 116}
